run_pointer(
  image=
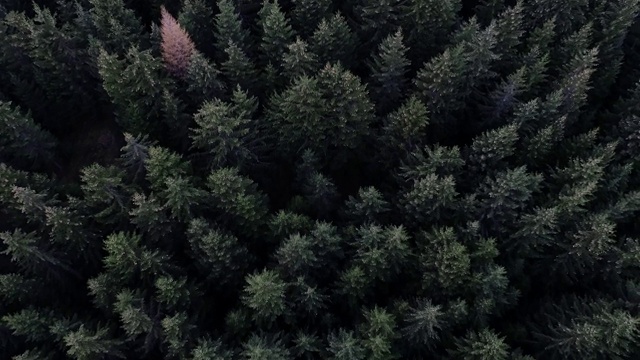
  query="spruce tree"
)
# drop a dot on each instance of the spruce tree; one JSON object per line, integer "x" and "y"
{"x": 388, "y": 72}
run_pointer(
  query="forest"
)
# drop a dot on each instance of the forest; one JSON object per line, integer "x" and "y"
{"x": 320, "y": 179}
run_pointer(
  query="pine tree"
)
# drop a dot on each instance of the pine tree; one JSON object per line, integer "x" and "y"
{"x": 334, "y": 41}
{"x": 299, "y": 61}
{"x": 229, "y": 28}
{"x": 429, "y": 198}
{"x": 307, "y": 14}
{"x": 423, "y": 324}
{"x": 204, "y": 79}
{"x": 115, "y": 26}
{"x": 106, "y": 193}
{"x": 238, "y": 199}
{"x": 260, "y": 347}
{"x": 181, "y": 196}
{"x": 429, "y": 23}
{"x": 207, "y": 350}
{"x": 381, "y": 252}
{"x": 264, "y": 294}
{"x": 238, "y": 68}
{"x": 135, "y": 85}
{"x": 343, "y": 345}
{"x": 568, "y": 15}
{"x": 276, "y": 32}
{"x": 369, "y": 206}
{"x": 490, "y": 149}
{"x": 448, "y": 79}
{"x": 405, "y": 128}
{"x": 162, "y": 163}
{"x": 220, "y": 256}
{"x": 176, "y": 334}
{"x": 22, "y": 139}
{"x": 378, "y": 19}
{"x": 85, "y": 344}
{"x": 127, "y": 256}
{"x": 509, "y": 28}
{"x": 577, "y": 328}
{"x": 135, "y": 320}
{"x": 482, "y": 345}
{"x": 196, "y": 17}
{"x": 388, "y": 72}
{"x": 378, "y": 331}
{"x": 177, "y": 46}
{"x": 57, "y": 59}
{"x": 31, "y": 324}
{"x": 134, "y": 155}
{"x": 502, "y": 197}
{"x": 446, "y": 261}
{"x": 329, "y": 110}
{"x": 227, "y": 132}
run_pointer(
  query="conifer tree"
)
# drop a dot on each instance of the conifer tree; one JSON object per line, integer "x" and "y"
{"x": 177, "y": 46}
{"x": 238, "y": 68}
{"x": 343, "y": 345}
{"x": 388, "y": 71}
{"x": 23, "y": 140}
{"x": 220, "y": 256}
{"x": 264, "y": 294}
{"x": 204, "y": 79}
{"x": 265, "y": 347}
{"x": 105, "y": 192}
{"x": 333, "y": 41}
{"x": 227, "y": 132}
{"x": 483, "y": 345}
{"x": 238, "y": 199}
{"x": 276, "y": 32}
{"x": 299, "y": 61}
{"x": 423, "y": 324}
{"x": 229, "y": 28}
{"x": 429, "y": 22}
{"x": 382, "y": 179}
{"x": 135, "y": 85}
{"x": 586, "y": 329}
{"x": 307, "y": 14}
{"x": 85, "y": 344}
{"x": 329, "y": 110}
{"x": 196, "y": 17}
{"x": 116, "y": 27}
{"x": 378, "y": 19}
{"x": 379, "y": 333}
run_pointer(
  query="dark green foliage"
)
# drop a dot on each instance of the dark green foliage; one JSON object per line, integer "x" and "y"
{"x": 227, "y": 132}
{"x": 238, "y": 199}
{"x": 388, "y": 179}
{"x": 22, "y": 140}
{"x": 196, "y": 18}
{"x": 276, "y": 32}
{"x": 389, "y": 68}
{"x": 229, "y": 27}
{"x": 378, "y": 19}
{"x": 221, "y": 257}
{"x": 238, "y": 68}
{"x": 333, "y": 41}
{"x": 85, "y": 344}
{"x": 299, "y": 61}
{"x": 116, "y": 27}
{"x": 327, "y": 111}
{"x": 133, "y": 86}
{"x": 307, "y": 14}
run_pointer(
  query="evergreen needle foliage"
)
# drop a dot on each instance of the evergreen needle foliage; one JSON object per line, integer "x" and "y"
{"x": 301, "y": 179}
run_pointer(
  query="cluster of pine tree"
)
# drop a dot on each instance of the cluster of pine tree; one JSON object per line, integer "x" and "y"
{"x": 319, "y": 179}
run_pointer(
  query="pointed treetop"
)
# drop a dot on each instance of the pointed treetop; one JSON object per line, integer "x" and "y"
{"x": 177, "y": 46}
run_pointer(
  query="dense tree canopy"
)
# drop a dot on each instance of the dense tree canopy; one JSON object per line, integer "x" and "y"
{"x": 296, "y": 179}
